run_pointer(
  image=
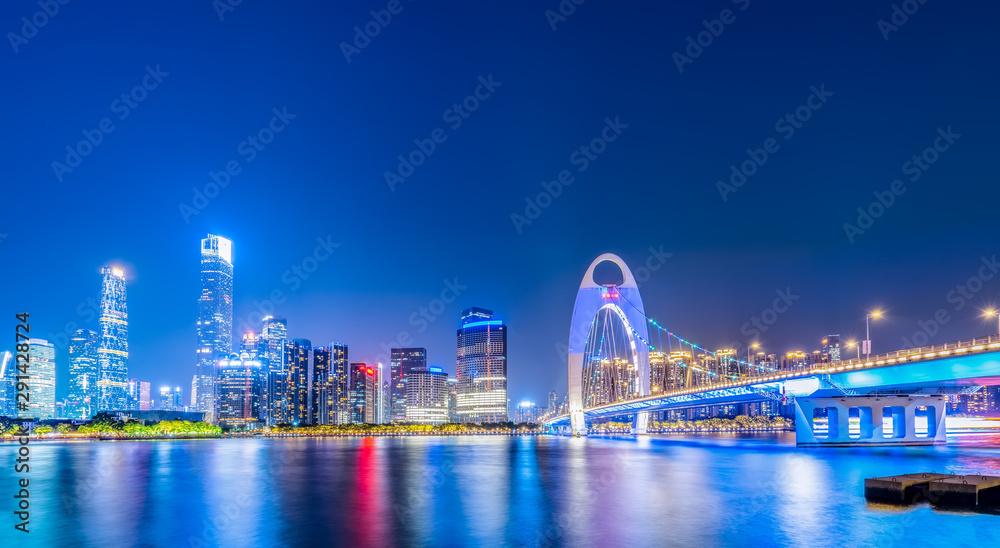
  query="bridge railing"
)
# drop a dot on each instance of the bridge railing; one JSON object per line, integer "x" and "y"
{"x": 932, "y": 351}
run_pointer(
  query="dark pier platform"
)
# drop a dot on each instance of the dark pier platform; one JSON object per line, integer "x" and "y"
{"x": 966, "y": 490}
{"x": 903, "y": 488}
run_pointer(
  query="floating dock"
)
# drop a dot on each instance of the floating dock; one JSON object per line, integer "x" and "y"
{"x": 904, "y": 488}
{"x": 966, "y": 490}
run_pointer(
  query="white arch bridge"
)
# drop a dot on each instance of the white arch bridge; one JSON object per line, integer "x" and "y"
{"x": 882, "y": 395}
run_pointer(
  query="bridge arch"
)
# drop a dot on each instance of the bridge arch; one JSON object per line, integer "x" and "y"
{"x": 591, "y": 298}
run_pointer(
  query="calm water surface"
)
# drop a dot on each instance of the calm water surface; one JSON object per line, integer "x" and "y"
{"x": 707, "y": 490}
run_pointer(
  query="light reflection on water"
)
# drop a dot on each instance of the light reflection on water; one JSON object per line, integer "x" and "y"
{"x": 669, "y": 490}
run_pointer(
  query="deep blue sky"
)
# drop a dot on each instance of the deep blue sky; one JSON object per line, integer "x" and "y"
{"x": 654, "y": 186}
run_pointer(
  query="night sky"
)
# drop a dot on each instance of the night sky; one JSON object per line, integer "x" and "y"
{"x": 213, "y": 84}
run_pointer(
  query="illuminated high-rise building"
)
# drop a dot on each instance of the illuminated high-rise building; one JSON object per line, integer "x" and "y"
{"x": 112, "y": 349}
{"x": 362, "y": 393}
{"x": 427, "y": 395}
{"x": 452, "y": 399}
{"x": 401, "y": 362}
{"x": 138, "y": 395}
{"x": 83, "y": 393}
{"x": 322, "y": 408}
{"x": 215, "y": 318}
{"x": 831, "y": 348}
{"x": 295, "y": 393}
{"x": 273, "y": 336}
{"x": 237, "y": 386}
{"x": 42, "y": 404}
{"x": 171, "y": 399}
{"x": 481, "y": 364}
{"x": 340, "y": 378}
{"x": 8, "y": 384}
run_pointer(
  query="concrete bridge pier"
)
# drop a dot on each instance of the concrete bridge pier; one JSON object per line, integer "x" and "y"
{"x": 882, "y": 420}
{"x": 639, "y": 422}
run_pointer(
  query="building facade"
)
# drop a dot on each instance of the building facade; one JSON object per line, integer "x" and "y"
{"x": 8, "y": 384}
{"x": 323, "y": 409}
{"x": 273, "y": 336}
{"x": 112, "y": 349}
{"x": 362, "y": 394}
{"x": 215, "y": 318}
{"x": 138, "y": 395}
{"x": 237, "y": 386}
{"x": 83, "y": 393}
{"x": 42, "y": 405}
{"x": 171, "y": 399}
{"x": 340, "y": 371}
{"x": 481, "y": 368}
{"x": 427, "y": 395}
{"x": 401, "y": 362}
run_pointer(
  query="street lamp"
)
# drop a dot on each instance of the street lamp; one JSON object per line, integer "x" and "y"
{"x": 992, "y": 312}
{"x": 852, "y": 344}
{"x": 868, "y": 336}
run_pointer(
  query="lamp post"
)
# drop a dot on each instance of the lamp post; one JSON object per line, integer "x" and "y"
{"x": 868, "y": 336}
{"x": 994, "y": 313}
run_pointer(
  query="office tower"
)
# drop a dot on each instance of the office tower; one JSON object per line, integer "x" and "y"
{"x": 362, "y": 393}
{"x": 237, "y": 386}
{"x": 452, "y": 399}
{"x": 401, "y": 362}
{"x": 273, "y": 336}
{"x": 382, "y": 407}
{"x": 340, "y": 378}
{"x": 298, "y": 361}
{"x": 657, "y": 372}
{"x": 323, "y": 409}
{"x": 8, "y": 384}
{"x": 427, "y": 395}
{"x": 215, "y": 318}
{"x": 83, "y": 393}
{"x": 42, "y": 370}
{"x": 112, "y": 349}
{"x": 526, "y": 412}
{"x": 193, "y": 402}
{"x": 550, "y": 409}
{"x": 481, "y": 362}
{"x": 138, "y": 395}
{"x": 171, "y": 399}
{"x": 831, "y": 348}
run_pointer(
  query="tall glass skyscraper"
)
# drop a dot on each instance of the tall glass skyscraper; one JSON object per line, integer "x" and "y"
{"x": 340, "y": 371}
{"x": 298, "y": 360}
{"x": 481, "y": 364}
{"x": 273, "y": 336}
{"x": 362, "y": 393}
{"x": 215, "y": 318}
{"x": 8, "y": 384}
{"x": 322, "y": 409}
{"x": 427, "y": 395}
{"x": 401, "y": 362}
{"x": 112, "y": 349}
{"x": 237, "y": 387}
{"x": 83, "y": 393}
{"x": 43, "y": 380}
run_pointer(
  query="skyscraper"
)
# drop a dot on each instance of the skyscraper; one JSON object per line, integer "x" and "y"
{"x": 112, "y": 349}
{"x": 83, "y": 393}
{"x": 273, "y": 336}
{"x": 340, "y": 373}
{"x": 43, "y": 380}
{"x": 8, "y": 384}
{"x": 482, "y": 367}
{"x": 298, "y": 361}
{"x": 171, "y": 399}
{"x": 362, "y": 393}
{"x": 427, "y": 395}
{"x": 215, "y": 317}
{"x": 138, "y": 395}
{"x": 237, "y": 386}
{"x": 323, "y": 409}
{"x": 551, "y": 408}
{"x": 401, "y": 362}
{"x": 831, "y": 348}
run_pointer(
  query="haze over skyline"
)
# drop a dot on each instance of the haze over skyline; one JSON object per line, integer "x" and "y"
{"x": 651, "y": 194}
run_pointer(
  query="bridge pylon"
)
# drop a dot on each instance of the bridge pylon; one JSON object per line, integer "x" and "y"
{"x": 881, "y": 420}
